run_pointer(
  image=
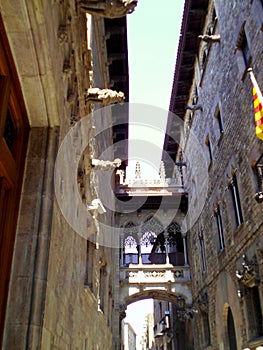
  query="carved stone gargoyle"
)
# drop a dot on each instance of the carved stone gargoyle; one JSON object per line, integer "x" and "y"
{"x": 215, "y": 38}
{"x": 248, "y": 275}
{"x": 105, "y": 97}
{"x": 105, "y": 164}
{"x": 108, "y": 8}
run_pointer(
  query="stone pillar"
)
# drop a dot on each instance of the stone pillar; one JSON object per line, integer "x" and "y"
{"x": 30, "y": 263}
{"x": 185, "y": 250}
{"x": 166, "y": 246}
{"x": 121, "y": 250}
{"x": 139, "y": 248}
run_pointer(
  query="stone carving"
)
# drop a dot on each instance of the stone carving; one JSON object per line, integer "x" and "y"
{"x": 108, "y": 8}
{"x": 210, "y": 38}
{"x": 105, "y": 97}
{"x": 162, "y": 172}
{"x": 155, "y": 274}
{"x": 138, "y": 170}
{"x": 202, "y": 302}
{"x": 194, "y": 108}
{"x": 105, "y": 164}
{"x": 259, "y": 197}
{"x": 248, "y": 275}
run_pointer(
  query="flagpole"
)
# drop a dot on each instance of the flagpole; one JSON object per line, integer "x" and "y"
{"x": 258, "y": 105}
{"x": 254, "y": 81}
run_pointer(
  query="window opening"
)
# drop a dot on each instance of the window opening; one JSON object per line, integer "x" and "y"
{"x": 217, "y": 213}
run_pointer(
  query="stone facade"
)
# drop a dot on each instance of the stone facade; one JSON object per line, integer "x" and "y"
{"x": 227, "y": 236}
{"x": 62, "y": 290}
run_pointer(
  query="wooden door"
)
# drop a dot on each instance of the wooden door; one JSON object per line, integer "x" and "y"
{"x": 13, "y": 143}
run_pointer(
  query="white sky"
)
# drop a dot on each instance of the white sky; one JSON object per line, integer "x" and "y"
{"x": 153, "y": 36}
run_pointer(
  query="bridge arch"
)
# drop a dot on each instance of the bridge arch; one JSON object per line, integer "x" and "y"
{"x": 158, "y": 294}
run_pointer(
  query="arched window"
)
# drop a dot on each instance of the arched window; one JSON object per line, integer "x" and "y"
{"x": 131, "y": 247}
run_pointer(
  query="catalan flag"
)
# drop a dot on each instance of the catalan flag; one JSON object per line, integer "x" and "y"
{"x": 258, "y": 105}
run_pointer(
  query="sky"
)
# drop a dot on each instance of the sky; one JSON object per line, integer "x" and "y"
{"x": 153, "y": 36}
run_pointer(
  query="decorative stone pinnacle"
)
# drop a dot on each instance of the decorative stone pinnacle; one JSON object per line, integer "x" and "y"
{"x": 162, "y": 172}
{"x": 138, "y": 170}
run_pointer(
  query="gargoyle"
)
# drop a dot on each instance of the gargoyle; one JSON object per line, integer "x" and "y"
{"x": 108, "y": 8}
{"x": 105, "y": 164}
{"x": 194, "y": 107}
{"x": 210, "y": 38}
{"x": 105, "y": 97}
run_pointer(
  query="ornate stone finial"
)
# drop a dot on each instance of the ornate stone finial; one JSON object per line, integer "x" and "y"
{"x": 108, "y": 8}
{"x": 162, "y": 172}
{"x": 105, "y": 164}
{"x": 138, "y": 170}
{"x": 105, "y": 97}
{"x": 210, "y": 38}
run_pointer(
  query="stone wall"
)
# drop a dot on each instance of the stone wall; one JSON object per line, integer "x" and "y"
{"x": 50, "y": 305}
{"x": 223, "y": 84}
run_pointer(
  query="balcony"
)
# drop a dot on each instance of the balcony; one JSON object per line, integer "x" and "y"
{"x": 175, "y": 259}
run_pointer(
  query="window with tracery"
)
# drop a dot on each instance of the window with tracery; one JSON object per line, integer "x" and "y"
{"x": 131, "y": 247}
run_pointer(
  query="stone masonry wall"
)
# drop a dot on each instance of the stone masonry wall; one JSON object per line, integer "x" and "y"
{"x": 50, "y": 307}
{"x": 222, "y": 82}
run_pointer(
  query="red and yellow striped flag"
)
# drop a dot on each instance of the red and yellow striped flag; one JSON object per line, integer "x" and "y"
{"x": 258, "y": 105}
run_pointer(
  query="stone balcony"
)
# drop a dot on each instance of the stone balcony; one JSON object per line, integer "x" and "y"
{"x": 154, "y": 274}
{"x": 151, "y": 279}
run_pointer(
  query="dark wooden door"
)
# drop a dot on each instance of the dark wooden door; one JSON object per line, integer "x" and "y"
{"x": 13, "y": 143}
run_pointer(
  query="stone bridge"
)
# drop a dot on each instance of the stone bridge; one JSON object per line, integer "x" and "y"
{"x": 153, "y": 250}
{"x": 164, "y": 282}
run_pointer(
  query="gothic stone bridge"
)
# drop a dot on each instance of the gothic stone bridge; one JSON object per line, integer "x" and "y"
{"x": 153, "y": 253}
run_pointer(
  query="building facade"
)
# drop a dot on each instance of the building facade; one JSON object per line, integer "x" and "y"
{"x": 129, "y": 337}
{"x": 212, "y": 99}
{"x": 58, "y": 279}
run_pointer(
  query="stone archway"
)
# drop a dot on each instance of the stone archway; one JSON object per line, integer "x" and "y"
{"x": 226, "y": 297}
{"x": 153, "y": 294}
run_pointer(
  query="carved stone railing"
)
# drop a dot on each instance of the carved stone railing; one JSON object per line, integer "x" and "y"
{"x": 154, "y": 274}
